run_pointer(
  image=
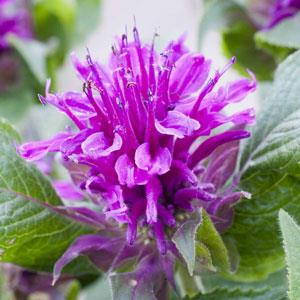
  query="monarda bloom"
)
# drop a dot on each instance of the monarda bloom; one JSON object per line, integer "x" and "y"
{"x": 14, "y": 19}
{"x": 152, "y": 146}
{"x": 272, "y": 12}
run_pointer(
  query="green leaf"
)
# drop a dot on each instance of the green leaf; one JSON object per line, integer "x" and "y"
{"x": 270, "y": 172}
{"x": 5, "y": 293}
{"x": 212, "y": 281}
{"x": 242, "y": 295}
{"x": 55, "y": 19}
{"x": 284, "y": 36}
{"x": 209, "y": 236}
{"x": 100, "y": 287}
{"x": 34, "y": 55}
{"x": 199, "y": 242}
{"x": 86, "y": 25}
{"x": 215, "y": 287}
{"x": 217, "y": 14}
{"x": 291, "y": 241}
{"x": 184, "y": 239}
{"x": 73, "y": 290}
{"x": 238, "y": 41}
{"x": 67, "y": 21}
{"x": 31, "y": 235}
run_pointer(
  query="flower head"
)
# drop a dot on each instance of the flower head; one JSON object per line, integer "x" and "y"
{"x": 14, "y": 19}
{"x": 145, "y": 150}
{"x": 269, "y": 13}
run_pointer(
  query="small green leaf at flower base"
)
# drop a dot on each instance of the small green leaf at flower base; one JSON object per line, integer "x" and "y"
{"x": 270, "y": 171}
{"x": 291, "y": 242}
{"x": 184, "y": 239}
{"x": 203, "y": 258}
{"x": 209, "y": 236}
{"x": 201, "y": 246}
{"x": 31, "y": 235}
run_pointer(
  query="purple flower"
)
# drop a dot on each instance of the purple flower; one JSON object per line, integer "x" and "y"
{"x": 272, "y": 12}
{"x": 283, "y": 9}
{"x": 14, "y": 19}
{"x": 152, "y": 143}
{"x": 23, "y": 283}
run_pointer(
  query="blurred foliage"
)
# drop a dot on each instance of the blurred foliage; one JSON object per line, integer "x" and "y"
{"x": 258, "y": 50}
{"x": 59, "y": 25}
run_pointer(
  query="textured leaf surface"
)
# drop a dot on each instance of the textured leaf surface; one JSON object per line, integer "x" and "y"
{"x": 30, "y": 234}
{"x": 242, "y": 295}
{"x": 270, "y": 171}
{"x": 184, "y": 239}
{"x": 215, "y": 287}
{"x": 209, "y": 236}
{"x": 201, "y": 245}
{"x": 291, "y": 240}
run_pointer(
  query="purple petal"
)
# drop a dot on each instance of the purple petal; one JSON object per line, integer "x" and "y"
{"x": 37, "y": 150}
{"x": 158, "y": 231}
{"x": 188, "y": 194}
{"x": 222, "y": 164}
{"x": 125, "y": 170}
{"x": 233, "y": 92}
{"x": 84, "y": 245}
{"x": 153, "y": 192}
{"x": 158, "y": 164}
{"x": 208, "y": 146}
{"x": 97, "y": 145}
{"x": 177, "y": 124}
{"x": 189, "y": 75}
{"x": 67, "y": 190}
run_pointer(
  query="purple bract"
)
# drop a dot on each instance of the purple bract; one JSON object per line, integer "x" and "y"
{"x": 148, "y": 150}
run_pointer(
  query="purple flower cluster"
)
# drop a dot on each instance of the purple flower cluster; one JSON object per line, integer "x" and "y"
{"x": 14, "y": 19}
{"x": 152, "y": 145}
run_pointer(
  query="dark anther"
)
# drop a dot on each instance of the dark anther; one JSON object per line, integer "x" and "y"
{"x": 114, "y": 50}
{"x": 90, "y": 84}
{"x": 130, "y": 84}
{"x": 124, "y": 39}
{"x": 150, "y": 95}
{"x": 87, "y": 85}
{"x": 171, "y": 106}
{"x": 164, "y": 54}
